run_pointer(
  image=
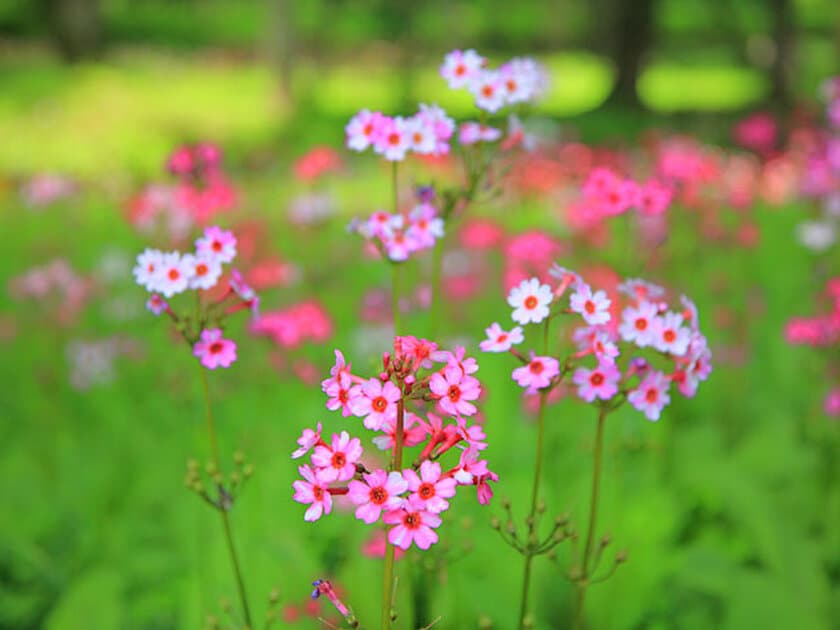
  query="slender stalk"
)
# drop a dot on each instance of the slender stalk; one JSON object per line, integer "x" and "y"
{"x": 593, "y": 515}
{"x": 437, "y": 273}
{"x": 234, "y": 559}
{"x": 388, "y": 572}
{"x": 395, "y": 297}
{"x": 395, "y": 186}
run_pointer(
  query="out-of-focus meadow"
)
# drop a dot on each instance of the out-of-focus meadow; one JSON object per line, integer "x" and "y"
{"x": 729, "y": 506}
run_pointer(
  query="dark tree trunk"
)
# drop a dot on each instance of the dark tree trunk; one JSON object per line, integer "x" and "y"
{"x": 781, "y": 72}
{"x": 281, "y": 47}
{"x": 633, "y": 32}
{"x": 75, "y": 27}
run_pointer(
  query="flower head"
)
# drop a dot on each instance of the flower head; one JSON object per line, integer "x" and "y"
{"x": 337, "y": 462}
{"x": 651, "y": 396}
{"x": 538, "y": 373}
{"x": 214, "y": 350}
{"x": 499, "y": 340}
{"x": 379, "y": 491}
{"x": 593, "y": 307}
{"x": 412, "y": 524}
{"x": 430, "y": 488}
{"x": 530, "y": 301}
{"x": 217, "y": 244}
{"x": 311, "y": 491}
{"x": 600, "y": 382}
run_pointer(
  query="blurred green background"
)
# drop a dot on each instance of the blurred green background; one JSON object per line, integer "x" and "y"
{"x": 729, "y": 506}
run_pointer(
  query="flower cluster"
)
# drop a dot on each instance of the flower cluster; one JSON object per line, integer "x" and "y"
{"x": 423, "y": 397}
{"x": 426, "y": 133}
{"x": 166, "y": 274}
{"x": 397, "y": 236}
{"x": 613, "y": 340}
{"x": 520, "y": 80}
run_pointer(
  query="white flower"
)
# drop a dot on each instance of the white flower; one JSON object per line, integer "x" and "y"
{"x": 530, "y": 301}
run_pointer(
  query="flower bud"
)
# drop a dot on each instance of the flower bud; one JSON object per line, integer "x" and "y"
{"x": 239, "y": 458}
{"x": 621, "y": 556}
{"x": 248, "y": 471}
{"x": 274, "y": 596}
{"x": 495, "y": 523}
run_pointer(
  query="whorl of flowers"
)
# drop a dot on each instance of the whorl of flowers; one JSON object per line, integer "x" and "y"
{"x": 634, "y": 351}
{"x": 520, "y": 80}
{"x": 425, "y": 133}
{"x": 398, "y": 236}
{"x": 166, "y": 274}
{"x": 423, "y": 399}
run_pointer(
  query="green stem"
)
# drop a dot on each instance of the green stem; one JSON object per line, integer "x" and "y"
{"x": 437, "y": 272}
{"x": 388, "y": 571}
{"x": 593, "y": 515}
{"x": 395, "y": 297}
{"x": 234, "y": 559}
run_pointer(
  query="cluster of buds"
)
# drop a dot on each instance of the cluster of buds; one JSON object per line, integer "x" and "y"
{"x": 520, "y": 80}
{"x": 425, "y": 133}
{"x": 529, "y": 542}
{"x": 398, "y": 236}
{"x": 614, "y": 341}
{"x": 166, "y": 274}
{"x": 211, "y": 484}
{"x": 422, "y": 398}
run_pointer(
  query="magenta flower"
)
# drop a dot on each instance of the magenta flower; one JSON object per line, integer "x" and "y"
{"x": 337, "y": 462}
{"x": 412, "y": 524}
{"x": 156, "y": 304}
{"x": 499, "y": 340}
{"x": 651, "y": 396}
{"x": 307, "y": 441}
{"x": 429, "y": 489}
{"x": 376, "y": 403}
{"x": 379, "y": 491}
{"x": 213, "y": 350}
{"x": 312, "y": 492}
{"x": 600, "y": 382}
{"x": 363, "y": 129}
{"x": 538, "y": 373}
{"x": 217, "y": 244}
{"x": 455, "y": 390}
{"x": 392, "y": 140}
{"x": 340, "y": 392}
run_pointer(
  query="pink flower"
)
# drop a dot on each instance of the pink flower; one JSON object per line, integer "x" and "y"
{"x": 460, "y": 67}
{"x": 337, "y": 462}
{"x": 217, "y": 244}
{"x": 399, "y": 245}
{"x": 651, "y": 396}
{"x": 307, "y": 441}
{"x": 530, "y": 301}
{"x": 637, "y": 324}
{"x": 669, "y": 335}
{"x": 156, "y": 304}
{"x": 538, "y": 373}
{"x": 379, "y": 491}
{"x": 653, "y": 198}
{"x": 363, "y": 129}
{"x": 600, "y": 382}
{"x": 392, "y": 140}
{"x": 442, "y": 126}
{"x": 413, "y": 432}
{"x": 213, "y": 350}
{"x": 414, "y": 524}
{"x": 594, "y": 307}
{"x": 472, "y": 132}
{"x": 604, "y": 347}
{"x": 421, "y": 136}
{"x": 312, "y": 492}
{"x": 429, "y": 489}
{"x": 832, "y": 403}
{"x": 640, "y": 290}
{"x": 499, "y": 340}
{"x": 340, "y": 392}
{"x": 377, "y": 403}
{"x": 424, "y": 226}
{"x": 455, "y": 389}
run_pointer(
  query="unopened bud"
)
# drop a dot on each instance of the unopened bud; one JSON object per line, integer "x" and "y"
{"x": 192, "y": 465}
{"x": 225, "y": 604}
{"x": 528, "y": 621}
{"x": 506, "y": 503}
{"x": 239, "y": 458}
{"x": 605, "y": 540}
{"x": 248, "y": 471}
{"x": 541, "y": 507}
{"x": 210, "y": 468}
{"x": 485, "y": 623}
{"x": 495, "y": 523}
{"x": 561, "y": 519}
{"x": 235, "y": 477}
{"x": 621, "y": 556}
{"x": 274, "y": 596}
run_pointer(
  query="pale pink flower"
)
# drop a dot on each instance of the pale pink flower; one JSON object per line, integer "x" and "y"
{"x": 399, "y": 245}
{"x": 337, "y": 462}
{"x": 640, "y": 289}
{"x": 538, "y": 373}
{"x": 204, "y": 271}
{"x": 530, "y": 301}
{"x": 147, "y": 269}
{"x": 489, "y": 91}
{"x": 455, "y": 389}
{"x": 442, "y": 126}
{"x": 377, "y": 403}
{"x": 383, "y": 224}
{"x": 412, "y": 524}
{"x": 240, "y": 287}
{"x": 593, "y": 307}
{"x": 311, "y": 491}
{"x": 421, "y": 136}
{"x": 669, "y": 335}
{"x": 363, "y": 129}
{"x": 603, "y": 347}
{"x": 637, "y": 324}
{"x": 499, "y": 340}
{"x": 214, "y": 350}
{"x": 307, "y": 441}
{"x": 217, "y": 243}
{"x": 599, "y": 382}
{"x": 430, "y": 489}
{"x": 460, "y": 67}
{"x": 651, "y": 396}
{"x": 379, "y": 491}
{"x": 690, "y": 314}
{"x": 424, "y": 227}
{"x": 173, "y": 275}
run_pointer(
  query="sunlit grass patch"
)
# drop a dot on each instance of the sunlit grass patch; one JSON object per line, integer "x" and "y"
{"x": 668, "y": 87}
